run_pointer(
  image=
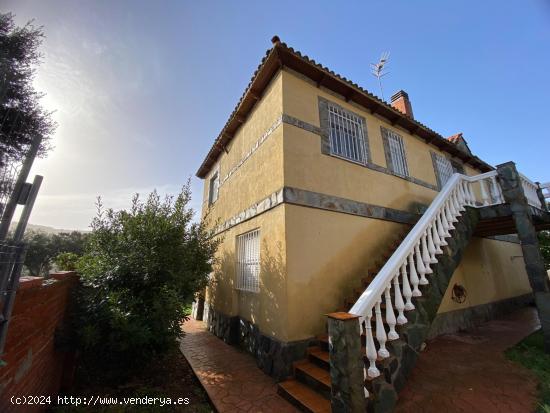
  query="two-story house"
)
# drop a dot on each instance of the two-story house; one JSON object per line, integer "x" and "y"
{"x": 312, "y": 185}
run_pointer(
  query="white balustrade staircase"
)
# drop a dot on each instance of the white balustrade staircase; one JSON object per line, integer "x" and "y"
{"x": 401, "y": 299}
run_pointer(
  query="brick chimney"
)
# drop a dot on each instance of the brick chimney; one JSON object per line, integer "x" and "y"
{"x": 401, "y": 102}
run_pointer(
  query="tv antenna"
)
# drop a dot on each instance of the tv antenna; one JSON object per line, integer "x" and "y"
{"x": 378, "y": 70}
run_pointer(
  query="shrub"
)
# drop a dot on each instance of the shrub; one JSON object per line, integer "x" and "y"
{"x": 66, "y": 261}
{"x": 140, "y": 268}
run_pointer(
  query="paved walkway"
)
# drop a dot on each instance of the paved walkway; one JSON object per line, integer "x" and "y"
{"x": 230, "y": 377}
{"x": 468, "y": 372}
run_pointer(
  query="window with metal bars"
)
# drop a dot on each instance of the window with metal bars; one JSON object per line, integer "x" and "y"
{"x": 248, "y": 261}
{"x": 443, "y": 169}
{"x": 214, "y": 188}
{"x": 395, "y": 153}
{"x": 347, "y": 138}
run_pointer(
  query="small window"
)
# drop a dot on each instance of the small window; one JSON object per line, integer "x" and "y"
{"x": 248, "y": 261}
{"x": 443, "y": 169}
{"x": 214, "y": 188}
{"x": 395, "y": 152}
{"x": 347, "y": 138}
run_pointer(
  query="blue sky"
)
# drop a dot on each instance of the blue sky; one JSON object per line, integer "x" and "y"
{"x": 142, "y": 88}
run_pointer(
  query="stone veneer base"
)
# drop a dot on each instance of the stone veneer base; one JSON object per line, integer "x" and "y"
{"x": 272, "y": 356}
{"x": 275, "y": 357}
{"x": 453, "y": 321}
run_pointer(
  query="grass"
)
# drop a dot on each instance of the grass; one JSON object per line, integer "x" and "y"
{"x": 530, "y": 353}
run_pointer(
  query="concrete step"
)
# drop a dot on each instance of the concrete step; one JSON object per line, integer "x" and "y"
{"x": 319, "y": 357}
{"x": 303, "y": 397}
{"x": 312, "y": 375}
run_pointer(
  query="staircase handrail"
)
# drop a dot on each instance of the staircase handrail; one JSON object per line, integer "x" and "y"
{"x": 376, "y": 288}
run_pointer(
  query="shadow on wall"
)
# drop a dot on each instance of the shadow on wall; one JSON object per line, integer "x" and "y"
{"x": 272, "y": 308}
{"x": 346, "y": 269}
{"x": 264, "y": 309}
{"x": 222, "y": 283}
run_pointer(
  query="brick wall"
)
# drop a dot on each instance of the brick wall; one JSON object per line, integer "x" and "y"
{"x": 34, "y": 365}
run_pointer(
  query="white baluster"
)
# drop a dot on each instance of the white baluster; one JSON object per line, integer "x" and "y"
{"x": 439, "y": 227}
{"x": 442, "y": 229}
{"x": 496, "y": 190}
{"x": 474, "y": 200}
{"x": 436, "y": 239}
{"x": 371, "y": 348}
{"x": 413, "y": 277}
{"x": 484, "y": 196}
{"x": 461, "y": 197}
{"x": 453, "y": 211}
{"x": 420, "y": 269}
{"x": 471, "y": 195}
{"x": 500, "y": 194}
{"x": 390, "y": 315}
{"x": 456, "y": 205}
{"x": 407, "y": 293}
{"x": 426, "y": 255}
{"x": 448, "y": 212}
{"x": 380, "y": 332}
{"x": 431, "y": 245}
{"x": 399, "y": 303}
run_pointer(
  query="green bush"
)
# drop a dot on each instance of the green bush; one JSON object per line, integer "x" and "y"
{"x": 140, "y": 268}
{"x": 66, "y": 261}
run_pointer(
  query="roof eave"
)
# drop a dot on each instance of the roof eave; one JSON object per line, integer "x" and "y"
{"x": 281, "y": 55}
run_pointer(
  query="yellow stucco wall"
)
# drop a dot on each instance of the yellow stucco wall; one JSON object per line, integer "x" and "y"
{"x": 313, "y": 259}
{"x": 490, "y": 270}
{"x": 327, "y": 255}
{"x": 267, "y": 309}
{"x": 262, "y": 173}
{"x": 256, "y": 178}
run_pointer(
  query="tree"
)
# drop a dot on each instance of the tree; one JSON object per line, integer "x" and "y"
{"x": 44, "y": 248}
{"x": 40, "y": 251}
{"x": 66, "y": 261}
{"x": 73, "y": 242}
{"x": 140, "y": 269}
{"x": 21, "y": 115}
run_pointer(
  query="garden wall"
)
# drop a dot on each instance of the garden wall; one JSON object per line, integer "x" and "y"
{"x": 35, "y": 364}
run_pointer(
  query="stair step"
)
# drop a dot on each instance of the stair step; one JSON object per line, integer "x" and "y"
{"x": 313, "y": 376}
{"x": 323, "y": 341}
{"x": 319, "y": 356}
{"x": 316, "y": 372}
{"x": 303, "y": 397}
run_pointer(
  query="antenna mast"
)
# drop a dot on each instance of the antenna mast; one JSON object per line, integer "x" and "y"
{"x": 378, "y": 70}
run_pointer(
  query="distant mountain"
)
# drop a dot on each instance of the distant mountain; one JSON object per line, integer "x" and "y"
{"x": 43, "y": 228}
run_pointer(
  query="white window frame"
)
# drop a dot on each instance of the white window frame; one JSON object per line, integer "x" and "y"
{"x": 214, "y": 187}
{"x": 347, "y": 135}
{"x": 248, "y": 261}
{"x": 397, "y": 154}
{"x": 444, "y": 169}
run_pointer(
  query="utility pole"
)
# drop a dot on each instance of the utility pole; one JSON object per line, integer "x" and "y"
{"x": 19, "y": 184}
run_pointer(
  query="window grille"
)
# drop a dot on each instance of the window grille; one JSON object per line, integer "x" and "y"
{"x": 346, "y": 135}
{"x": 214, "y": 188}
{"x": 444, "y": 169}
{"x": 248, "y": 261}
{"x": 397, "y": 153}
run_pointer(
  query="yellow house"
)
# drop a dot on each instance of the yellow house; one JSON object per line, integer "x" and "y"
{"x": 312, "y": 184}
